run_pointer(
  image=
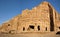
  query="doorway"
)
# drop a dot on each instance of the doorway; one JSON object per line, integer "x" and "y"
{"x": 38, "y": 28}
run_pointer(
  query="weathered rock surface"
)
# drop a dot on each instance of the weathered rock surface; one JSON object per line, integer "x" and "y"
{"x": 42, "y": 18}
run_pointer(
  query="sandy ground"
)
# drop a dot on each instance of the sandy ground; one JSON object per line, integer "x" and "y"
{"x": 30, "y": 35}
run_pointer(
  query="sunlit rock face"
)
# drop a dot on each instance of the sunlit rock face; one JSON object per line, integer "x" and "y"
{"x": 42, "y": 18}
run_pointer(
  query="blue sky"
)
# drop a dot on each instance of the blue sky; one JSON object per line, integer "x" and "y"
{"x": 11, "y": 8}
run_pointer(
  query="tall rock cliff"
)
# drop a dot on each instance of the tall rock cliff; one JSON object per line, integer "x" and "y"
{"x": 43, "y": 15}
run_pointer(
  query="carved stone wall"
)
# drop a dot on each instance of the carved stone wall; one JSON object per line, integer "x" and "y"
{"x": 39, "y": 19}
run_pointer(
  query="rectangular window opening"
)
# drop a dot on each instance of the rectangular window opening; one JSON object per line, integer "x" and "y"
{"x": 46, "y": 28}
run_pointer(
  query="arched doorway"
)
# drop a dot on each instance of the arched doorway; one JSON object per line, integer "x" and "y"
{"x": 38, "y": 28}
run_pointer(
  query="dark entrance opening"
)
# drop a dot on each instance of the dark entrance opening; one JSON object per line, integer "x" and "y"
{"x": 59, "y": 27}
{"x": 38, "y": 28}
{"x": 46, "y": 28}
{"x": 8, "y": 24}
{"x": 58, "y": 32}
{"x": 51, "y": 18}
{"x": 31, "y": 26}
{"x": 23, "y": 28}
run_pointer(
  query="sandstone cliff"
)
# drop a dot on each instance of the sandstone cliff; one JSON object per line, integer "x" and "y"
{"x": 39, "y": 16}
